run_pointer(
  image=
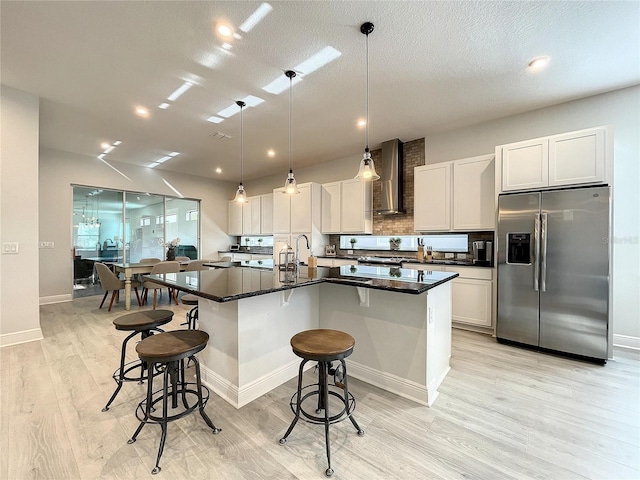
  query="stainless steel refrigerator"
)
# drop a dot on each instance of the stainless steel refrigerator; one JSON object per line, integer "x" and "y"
{"x": 553, "y": 270}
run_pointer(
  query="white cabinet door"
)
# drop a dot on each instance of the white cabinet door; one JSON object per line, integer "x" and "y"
{"x": 474, "y": 193}
{"x": 266, "y": 215}
{"x": 356, "y": 207}
{"x": 256, "y": 213}
{"x": 471, "y": 301}
{"x": 301, "y": 209}
{"x": 246, "y": 215}
{"x": 432, "y": 194}
{"x": 577, "y": 157}
{"x": 281, "y": 211}
{"x": 235, "y": 218}
{"x": 330, "y": 201}
{"x": 525, "y": 165}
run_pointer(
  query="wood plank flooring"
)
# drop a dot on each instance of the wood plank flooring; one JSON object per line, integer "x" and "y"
{"x": 503, "y": 412}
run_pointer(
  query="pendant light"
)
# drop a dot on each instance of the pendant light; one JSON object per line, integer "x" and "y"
{"x": 241, "y": 195}
{"x": 290, "y": 187}
{"x": 367, "y": 171}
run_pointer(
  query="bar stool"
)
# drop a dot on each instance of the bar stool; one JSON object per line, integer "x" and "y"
{"x": 167, "y": 352}
{"x": 192, "y": 315}
{"x": 143, "y": 323}
{"x": 323, "y": 346}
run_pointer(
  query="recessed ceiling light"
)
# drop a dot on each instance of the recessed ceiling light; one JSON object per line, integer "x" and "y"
{"x": 271, "y": 153}
{"x": 237, "y": 36}
{"x": 142, "y": 111}
{"x": 224, "y": 30}
{"x": 214, "y": 119}
{"x": 163, "y": 106}
{"x": 256, "y": 17}
{"x": 218, "y": 170}
{"x": 361, "y": 123}
{"x": 539, "y": 62}
{"x": 104, "y": 145}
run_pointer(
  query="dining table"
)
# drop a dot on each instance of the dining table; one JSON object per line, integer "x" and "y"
{"x": 131, "y": 269}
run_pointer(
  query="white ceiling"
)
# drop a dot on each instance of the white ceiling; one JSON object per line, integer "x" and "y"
{"x": 434, "y": 66}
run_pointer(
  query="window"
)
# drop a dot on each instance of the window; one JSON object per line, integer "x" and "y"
{"x": 171, "y": 218}
{"x": 145, "y": 221}
{"x": 191, "y": 215}
{"x": 159, "y": 219}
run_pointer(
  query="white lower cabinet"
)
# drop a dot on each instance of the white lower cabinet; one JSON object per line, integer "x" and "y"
{"x": 471, "y": 292}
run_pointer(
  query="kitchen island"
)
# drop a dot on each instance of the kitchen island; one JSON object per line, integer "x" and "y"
{"x": 400, "y": 319}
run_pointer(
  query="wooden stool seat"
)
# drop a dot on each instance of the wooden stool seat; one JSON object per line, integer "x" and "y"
{"x": 172, "y": 346}
{"x": 322, "y": 345}
{"x": 190, "y": 299}
{"x": 139, "y": 321}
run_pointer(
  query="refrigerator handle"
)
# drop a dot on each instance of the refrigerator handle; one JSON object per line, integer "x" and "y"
{"x": 536, "y": 253}
{"x": 543, "y": 258}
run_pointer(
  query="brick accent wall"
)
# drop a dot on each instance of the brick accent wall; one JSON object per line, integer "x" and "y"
{"x": 413, "y": 156}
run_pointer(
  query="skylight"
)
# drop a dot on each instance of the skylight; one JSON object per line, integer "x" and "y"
{"x": 179, "y": 91}
{"x": 256, "y": 17}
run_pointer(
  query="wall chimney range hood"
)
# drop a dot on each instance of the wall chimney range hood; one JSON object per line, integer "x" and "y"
{"x": 391, "y": 178}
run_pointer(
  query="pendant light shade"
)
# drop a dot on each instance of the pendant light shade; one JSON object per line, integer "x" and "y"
{"x": 367, "y": 171}
{"x": 290, "y": 186}
{"x": 241, "y": 195}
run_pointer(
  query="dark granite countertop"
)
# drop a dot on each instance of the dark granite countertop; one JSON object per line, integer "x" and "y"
{"x": 464, "y": 263}
{"x": 229, "y": 281}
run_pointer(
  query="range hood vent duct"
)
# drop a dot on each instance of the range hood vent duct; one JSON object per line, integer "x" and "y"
{"x": 391, "y": 178}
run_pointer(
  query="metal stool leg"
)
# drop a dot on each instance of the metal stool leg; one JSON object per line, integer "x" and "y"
{"x": 283, "y": 440}
{"x": 324, "y": 393}
{"x": 120, "y": 380}
{"x": 203, "y": 414}
{"x": 346, "y": 399}
{"x": 148, "y": 409}
{"x": 163, "y": 423}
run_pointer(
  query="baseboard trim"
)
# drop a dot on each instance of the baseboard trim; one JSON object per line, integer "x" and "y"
{"x": 67, "y": 297}
{"x": 8, "y": 339}
{"x": 626, "y": 341}
{"x": 405, "y": 388}
{"x": 239, "y": 397}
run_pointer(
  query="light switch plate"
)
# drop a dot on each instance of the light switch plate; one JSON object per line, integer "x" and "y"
{"x": 10, "y": 248}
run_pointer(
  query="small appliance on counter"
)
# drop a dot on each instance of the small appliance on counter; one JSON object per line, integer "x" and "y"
{"x": 234, "y": 247}
{"x": 329, "y": 250}
{"x": 482, "y": 252}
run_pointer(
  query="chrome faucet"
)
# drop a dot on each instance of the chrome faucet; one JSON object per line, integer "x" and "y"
{"x": 298, "y": 248}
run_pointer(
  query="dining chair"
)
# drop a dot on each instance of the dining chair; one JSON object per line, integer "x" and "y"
{"x": 150, "y": 260}
{"x": 183, "y": 259}
{"x": 111, "y": 283}
{"x": 159, "y": 268}
{"x": 194, "y": 265}
{"x": 225, "y": 259}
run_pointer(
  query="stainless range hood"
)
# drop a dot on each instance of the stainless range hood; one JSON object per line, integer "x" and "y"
{"x": 391, "y": 178}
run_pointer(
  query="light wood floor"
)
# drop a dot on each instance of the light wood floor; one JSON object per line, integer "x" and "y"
{"x": 503, "y": 412}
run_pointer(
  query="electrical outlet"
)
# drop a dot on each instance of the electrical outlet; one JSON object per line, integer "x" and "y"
{"x": 10, "y": 248}
{"x": 430, "y": 314}
{"x": 46, "y": 244}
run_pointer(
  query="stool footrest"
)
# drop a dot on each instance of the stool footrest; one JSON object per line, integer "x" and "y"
{"x": 185, "y": 407}
{"x": 308, "y": 417}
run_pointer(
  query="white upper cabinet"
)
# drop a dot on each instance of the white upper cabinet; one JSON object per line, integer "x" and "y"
{"x": 247, "y": 213}
{"x": 297, "y": 213}
{"x": 281, "y": 211}
{"x": 356, "y": 206}
{"x": 525, "y": 165}
{"x": 266, "y": 217}
{"x": 432, "y": 197}
{"x": 347, "y": 207}
{"x": 235, "y": 218}
{"x": 331, "y": 207}
{"x": 572, "y": 158}
{"x": 301, "y": 209}
{"x": 474, "y": 193}
{"x": 577, "y": 157}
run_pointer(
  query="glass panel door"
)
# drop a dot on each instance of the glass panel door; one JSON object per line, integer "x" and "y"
{"x": 181, "y": 221}
{"x": 144, "y": 224}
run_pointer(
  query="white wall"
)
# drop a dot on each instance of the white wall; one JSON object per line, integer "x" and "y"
{"x": 619, "y": 108}
{"x": 19, "y": 311}
{"x": 59, "y": 170}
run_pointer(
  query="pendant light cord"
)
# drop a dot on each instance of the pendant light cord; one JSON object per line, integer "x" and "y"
{"x": 241, "y": 104}
{"x": 290, "y": 122}
{"x": 367, "y": 124}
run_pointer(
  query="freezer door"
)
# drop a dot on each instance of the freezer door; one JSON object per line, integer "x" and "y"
{"x": 574, "y": 296}
{"x": 518, "y": 299}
